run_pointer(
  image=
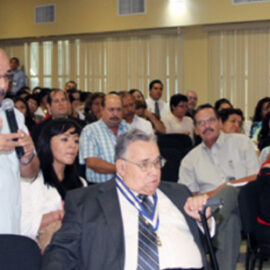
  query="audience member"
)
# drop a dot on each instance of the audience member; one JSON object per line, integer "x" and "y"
{"x": 154, "y": 103}
{"x": 18, "y": 76}
{"x": 130, "y": 116}
{"x": 141, "y": 111}
{"x": 264, "y": 134}
{"x": 33, "y": 104}
{"x": 98, "y": 140}
{"x": 24, "y": 92}
{"x": 262, "y": 108}
{"x": 11, "y": 167}
{"x": 42, "y": 110}
{"x": 222, "y": 104}
{"x": 192, "y": 103}
{"x": 70, "y": 85}
{"x": 92, "y": 109}
{"x": 137, "y": 94}
{"x": 231, "y": 120}
{"x": 220, "y": 161}
{"x": 21, "y": 105}
{"x": 42, "y": 198}
{"x": 115, "y": 220}
{"x": 176, "y": 121}
{"x": 75, "y": 99}
{"x": 58, "y": 106}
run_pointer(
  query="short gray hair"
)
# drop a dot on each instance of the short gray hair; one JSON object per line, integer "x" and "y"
{"x": 129, "y": 137}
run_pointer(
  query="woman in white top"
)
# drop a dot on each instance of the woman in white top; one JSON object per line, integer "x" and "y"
{"x": 42, "y": 199}
{"x": 177, "y": 121}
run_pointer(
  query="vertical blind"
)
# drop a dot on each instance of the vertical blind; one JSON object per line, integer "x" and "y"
{"x": 239, "y": 66}
{"x": 103, "y": 63}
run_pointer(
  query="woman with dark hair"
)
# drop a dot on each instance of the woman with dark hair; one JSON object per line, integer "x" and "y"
{"x": 222, "y": 104}
{"x": 264, "y": 134}
{"x": 137, "y": 94}
{"x": 42, "y": 207}
{"x": 21, "y": 105}
{"x": 262, "y": 108}
{"x": 92, "y": 109}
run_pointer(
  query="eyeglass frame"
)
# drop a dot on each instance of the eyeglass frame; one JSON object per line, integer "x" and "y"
{"x": 146, "y": 165}
{"x": 209, "y": 121}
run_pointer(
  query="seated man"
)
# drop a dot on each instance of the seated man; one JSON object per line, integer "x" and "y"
{"x": 212, "y": 167}
{"x": 108, "y": 226}
{"x": 97, "y": 140}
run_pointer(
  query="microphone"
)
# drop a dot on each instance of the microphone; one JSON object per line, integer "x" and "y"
{"x": 8, "y": 107}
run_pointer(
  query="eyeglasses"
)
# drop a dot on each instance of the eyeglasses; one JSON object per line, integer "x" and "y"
{"x": 146, "y": 165}
{"x": 209, "y": 121}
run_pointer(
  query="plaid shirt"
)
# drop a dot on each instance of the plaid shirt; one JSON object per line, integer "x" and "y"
{"x": 97, "y": 140}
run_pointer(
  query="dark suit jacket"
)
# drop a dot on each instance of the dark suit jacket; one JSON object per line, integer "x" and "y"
{"x": 91, "y": 236}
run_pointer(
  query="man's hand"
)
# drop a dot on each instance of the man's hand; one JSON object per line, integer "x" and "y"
{"x": 28, "y": 146}
{"x": 8, "y": 141}
{"x": 195, "y": 204}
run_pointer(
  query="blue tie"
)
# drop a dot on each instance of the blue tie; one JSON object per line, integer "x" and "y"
{"x": 148, "y": 250}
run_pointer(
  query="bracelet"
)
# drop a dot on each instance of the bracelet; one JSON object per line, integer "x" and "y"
{"x": 27, "y": 162}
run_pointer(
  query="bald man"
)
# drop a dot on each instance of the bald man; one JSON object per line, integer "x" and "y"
{"x": 97, "y": 140}
{"x": 12, "y": 168}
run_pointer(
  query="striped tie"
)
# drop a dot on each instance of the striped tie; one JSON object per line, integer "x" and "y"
{"x": 148, "y": 250}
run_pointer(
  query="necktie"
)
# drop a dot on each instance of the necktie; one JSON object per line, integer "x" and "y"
{"x": 157, "y": 112}
{"x": 147, "y": 244}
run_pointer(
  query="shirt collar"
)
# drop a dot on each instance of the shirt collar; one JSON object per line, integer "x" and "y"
{"x": 219, "y": 142}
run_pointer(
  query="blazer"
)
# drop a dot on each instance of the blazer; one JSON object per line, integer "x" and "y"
{"x": 91, "y": 236}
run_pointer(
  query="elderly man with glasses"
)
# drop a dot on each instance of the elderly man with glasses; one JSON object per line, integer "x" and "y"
{"x": 132, "y": 221}
{"x": 220, "y": 161}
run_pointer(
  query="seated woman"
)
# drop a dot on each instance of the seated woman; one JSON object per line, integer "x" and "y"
{"x": 177, "y": 121}
{"x": 262, "y": 108}
{"x": 42, "y": 199}
{"x": 21, "y": 105}
{"x": 231, "y": 120}
{"x": 92, "y": 109}
{"x": 222, "y": 104}
{"x": 264, "y": 134}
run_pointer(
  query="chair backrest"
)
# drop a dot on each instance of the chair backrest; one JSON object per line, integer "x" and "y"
{"x": 173, "y": 147}
{"x": 19, "y": 252}
{"x": 176, "y": 141}
{"x": 248, "y": 205}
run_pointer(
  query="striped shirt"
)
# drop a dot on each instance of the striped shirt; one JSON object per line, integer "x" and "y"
{"x": 98, "y": 141}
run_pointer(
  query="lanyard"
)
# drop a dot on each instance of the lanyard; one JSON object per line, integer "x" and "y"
{"x": 153, "y": 219}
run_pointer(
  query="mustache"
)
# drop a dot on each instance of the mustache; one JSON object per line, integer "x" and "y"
{"x": 208, "y": 129}
{"x": 115, "y": 118}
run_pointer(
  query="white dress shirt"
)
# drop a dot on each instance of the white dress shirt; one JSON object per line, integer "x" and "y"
{"x": 162, "y": 105}
{"x": 142, "y": 124}
{"x": 231, "y": 157}
{"x": 178, "y": 247}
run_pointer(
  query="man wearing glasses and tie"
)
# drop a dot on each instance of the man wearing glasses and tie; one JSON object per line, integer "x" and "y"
{"x": 132, "y": 221}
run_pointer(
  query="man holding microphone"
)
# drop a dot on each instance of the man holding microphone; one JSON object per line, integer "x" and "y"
{"x": 12, "y": 167}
